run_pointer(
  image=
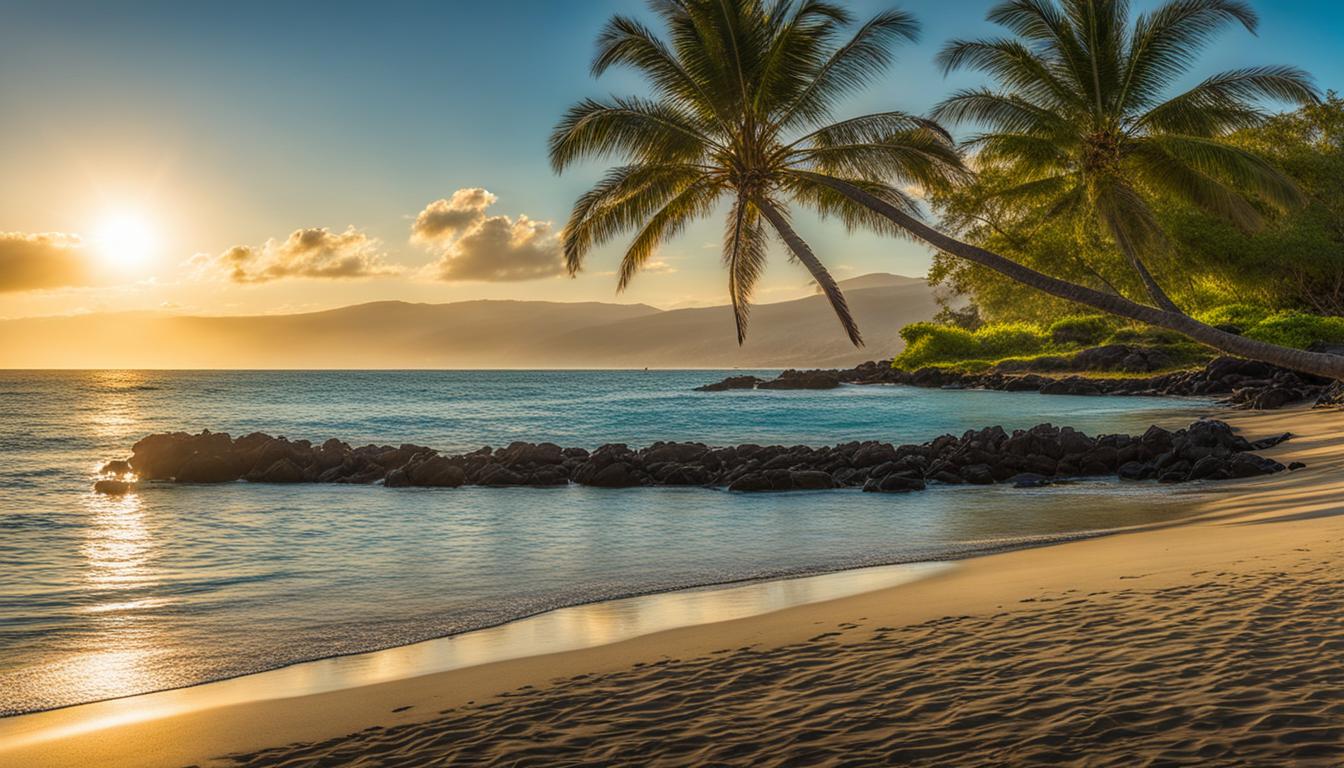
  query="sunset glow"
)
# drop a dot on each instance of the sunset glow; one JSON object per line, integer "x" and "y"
{"x": 125, "y": 239}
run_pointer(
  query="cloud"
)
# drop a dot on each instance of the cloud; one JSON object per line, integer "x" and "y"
{"x": 474, "y": 246}
{"x": 31, "y": 262}
{"x": 443, "y": 219}
{"x": 315, "y": 252}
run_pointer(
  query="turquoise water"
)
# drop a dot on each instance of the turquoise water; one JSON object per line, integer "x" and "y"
{"x": 175, "y": 585}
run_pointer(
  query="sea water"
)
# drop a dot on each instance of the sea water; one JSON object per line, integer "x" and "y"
{"x": 174, "y": 585}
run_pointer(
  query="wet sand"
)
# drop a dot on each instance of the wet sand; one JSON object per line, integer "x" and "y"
{"x": 1213, "y": 642}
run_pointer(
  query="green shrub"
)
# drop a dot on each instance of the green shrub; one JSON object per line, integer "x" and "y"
{"x": 1005, "y": 339}
{"x": 1298, "y": 329}
{"x": 929, "y": 343}
{"x": 1085, "y": 330}
{"x": 1243, "y": 316}
{"x": 933, "y": 344}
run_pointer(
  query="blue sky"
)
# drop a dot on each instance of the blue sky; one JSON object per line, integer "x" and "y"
{"x": 233, "y": 123}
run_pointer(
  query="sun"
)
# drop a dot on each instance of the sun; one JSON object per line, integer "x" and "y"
{"x": 125, "y": 239}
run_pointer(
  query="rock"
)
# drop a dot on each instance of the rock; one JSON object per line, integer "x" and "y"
{"x": 1293, "y": 466}
{"x": 118, "y": 468}
{"x": 158, "y": 457}
{"x": 894, "y": 483}
{"x": 615, "y": 475}
{"x": 208, "y": 468}
{"x": 520, "y": 453}
{"x": 396, "y": 479}
{"x": 1134, "y": 470}
{"x": 810, "y": 480}
{"x": 979, "y": 474}
{"x": 1269, "y": 442}
{"x": 436, "y": 472}
{"x": 282, "y": 471}
{"x": 792, "y": 379}
{"x": 1275, "y": 398}
{"x": 732, "y": 382}
{"x": 1029, "y": 480}
{"x": 113, "y": 487}
{"x": 499, "y": 475}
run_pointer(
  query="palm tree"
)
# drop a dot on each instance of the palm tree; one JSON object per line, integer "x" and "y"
{"x": 737, "y": 76}
{"x": 742, "y": 93}
{"x": 1084, "y": 120}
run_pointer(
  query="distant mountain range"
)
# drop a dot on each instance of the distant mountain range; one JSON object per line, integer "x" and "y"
{"x": 480, "y": 334}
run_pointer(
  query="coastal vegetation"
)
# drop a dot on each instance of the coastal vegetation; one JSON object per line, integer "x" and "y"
{"x": 1082, "y": 138}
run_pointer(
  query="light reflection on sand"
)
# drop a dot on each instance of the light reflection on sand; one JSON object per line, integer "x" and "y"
{"x": 565, "y": 629}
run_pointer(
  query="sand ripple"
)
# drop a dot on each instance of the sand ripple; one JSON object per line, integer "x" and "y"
{"x": 1230, "y": 669}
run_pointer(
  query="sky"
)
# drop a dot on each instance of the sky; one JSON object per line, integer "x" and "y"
{"x": 256, "y": 158}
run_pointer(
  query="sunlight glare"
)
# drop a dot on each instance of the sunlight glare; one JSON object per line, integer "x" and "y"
{"x": 125, "y": 239}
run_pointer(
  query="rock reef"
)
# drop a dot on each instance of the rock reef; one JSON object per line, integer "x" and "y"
{"x": 1044, "y": 454}
{"x": 1241, "y": 383}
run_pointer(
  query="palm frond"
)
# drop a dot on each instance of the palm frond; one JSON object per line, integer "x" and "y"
{"x": 691, "y": 203}
{"x": 1166, "y": 42}
{"x": 1227, "y": 101}
{"x": 850, "y": 66}
{"x": 631, "y": 128}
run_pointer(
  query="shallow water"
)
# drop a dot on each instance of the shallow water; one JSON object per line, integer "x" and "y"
{"x": 176, "y": 585}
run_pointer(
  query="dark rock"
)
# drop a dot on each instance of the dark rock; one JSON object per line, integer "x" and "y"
{"x": 282, "y": 471}
{"x": 436, "y": 472}
{"x": 979, "y": 474}
{"x": 208, "y": 468}
{"x": 1029, "y": 480}
{"x": 792, "y": 379}
{"x": 1134, "y": 470}
{"x": 894, "y": 483}
{"x": 499, "y": 475}
{"x": 113, "y": 487}
{"x": 117, "y": 468}
{"x": 732, "y": 382}
{"x": 614, "y": 475}
{"x": 396, "y": 479}
{"x": 1296, "y": 465}
{"x": 810, "y": 480}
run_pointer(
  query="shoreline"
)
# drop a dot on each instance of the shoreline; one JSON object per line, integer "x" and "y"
{"x": 968, "y": 550}
{"x": 204, "y": 735}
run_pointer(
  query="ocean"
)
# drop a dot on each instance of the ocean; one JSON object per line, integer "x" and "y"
{"x": 103, "y": 596}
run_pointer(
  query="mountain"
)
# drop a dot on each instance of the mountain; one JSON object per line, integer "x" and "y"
{"x": 480, "y": 334}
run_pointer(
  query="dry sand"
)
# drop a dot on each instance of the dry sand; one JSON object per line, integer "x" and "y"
{"x": 1215, "y": 642}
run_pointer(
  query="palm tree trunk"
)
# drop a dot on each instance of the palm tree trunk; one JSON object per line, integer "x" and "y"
{"x": 1158, "y": 295}
{"x": 1330, "y": 366}
{"x": 803, "y": 252}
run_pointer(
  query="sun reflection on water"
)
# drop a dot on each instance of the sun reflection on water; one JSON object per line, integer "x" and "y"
{"x": 118, "y": 553}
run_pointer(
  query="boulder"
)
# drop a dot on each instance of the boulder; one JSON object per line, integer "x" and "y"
{"x": 282, "y": 471}
{"x": 436, "y": 472}
{"x": 113, "y": 487}
{"x": 118, "y": 468}
{"x": 208, "y": 468}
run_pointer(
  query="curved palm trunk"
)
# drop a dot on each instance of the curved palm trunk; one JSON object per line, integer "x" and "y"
{"x": 1330, "y": 366}
{"x": 803, "y": 252}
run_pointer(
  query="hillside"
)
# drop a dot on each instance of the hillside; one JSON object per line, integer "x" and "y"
{"x": 478, "y": 334}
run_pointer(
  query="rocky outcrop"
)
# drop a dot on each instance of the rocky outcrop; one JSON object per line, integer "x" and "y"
{"x": 1206, "y": 450}
{"x": 1237, "y": 382}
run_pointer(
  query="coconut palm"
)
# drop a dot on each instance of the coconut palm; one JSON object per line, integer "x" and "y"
{"x": 742, "y": 96}
{"x": 737, "y": 81}
{"x": 1085, "y": 118}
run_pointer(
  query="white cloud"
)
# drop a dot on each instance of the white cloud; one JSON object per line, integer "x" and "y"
{"x": 474, "y": 246}
{"x": 315, "y": 252}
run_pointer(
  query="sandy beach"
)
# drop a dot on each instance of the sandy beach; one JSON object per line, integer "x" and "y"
{"x": 1213, "y": 642}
